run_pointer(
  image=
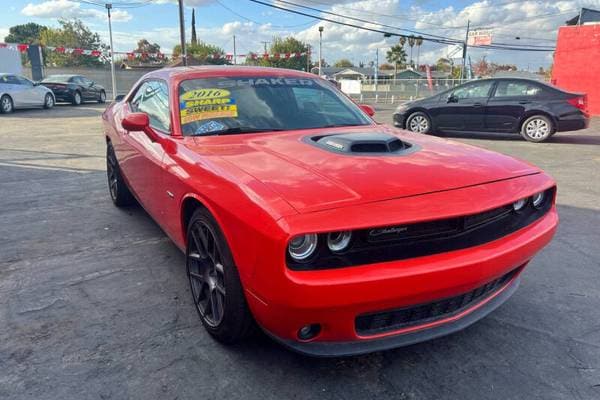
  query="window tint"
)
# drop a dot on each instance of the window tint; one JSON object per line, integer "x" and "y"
{"x": 9, "y": 79}
{"x": 518, "y": 89}
{"x": 262, "y": 103}
{"x": 473, "y": 90}
{"x": 24, "y": 81}
{"x": 152, "y": 98}
{"x": 86, "y": 81}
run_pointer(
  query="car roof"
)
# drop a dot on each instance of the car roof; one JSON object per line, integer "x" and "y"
{"x": 183, "y": 73}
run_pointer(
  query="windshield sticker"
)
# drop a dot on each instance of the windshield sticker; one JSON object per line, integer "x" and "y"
{"x": 265, "y": 82}
{"x": 210, "y": 126}
{"x": 200, "y": 104}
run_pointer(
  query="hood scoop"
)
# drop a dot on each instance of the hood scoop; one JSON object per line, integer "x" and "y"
{"x": 368, "y": 143}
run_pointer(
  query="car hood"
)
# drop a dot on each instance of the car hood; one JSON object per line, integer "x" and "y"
{"x": 311, "y": 178}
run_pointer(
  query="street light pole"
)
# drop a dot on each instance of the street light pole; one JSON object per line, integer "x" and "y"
{"x": 465, "y": 45}
{"x": 320, "y": 48}
{"x": 112, "y": 54}
{"x": 182, "y": 33}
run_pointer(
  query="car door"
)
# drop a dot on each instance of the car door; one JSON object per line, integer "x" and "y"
{"x": 90, "y": 90}
{"x": 34, "y": 94}
{"x": 141, "y": 159}
{"x": 464, "y": 107}
{"x": 12, "y": 86}
{"x": 508, "y": 103}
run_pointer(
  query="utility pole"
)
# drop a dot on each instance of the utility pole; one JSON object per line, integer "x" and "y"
{"x": 464, "y": 60}
{"x": 234, "y": 52}
{"x": 320, "y": 48}
{"x": 182, "y": 33}
{"x": 308, "y": 59}
{"x": 376, "y": 68}
{"x": 112, "y": 54}
{"x": 265, "y": 44}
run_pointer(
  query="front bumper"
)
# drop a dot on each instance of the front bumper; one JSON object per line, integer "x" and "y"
{"x": 399, "y": 120}
{"x": 335, "y": 298}
{"x": 462, "y": 321}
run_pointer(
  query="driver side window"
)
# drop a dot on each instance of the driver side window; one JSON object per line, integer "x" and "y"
{"x": 152, "y": 98}
{"x": 473, "y": 90}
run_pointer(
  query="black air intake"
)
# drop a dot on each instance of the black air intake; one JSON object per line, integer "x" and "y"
{"x": 369, "y": 143}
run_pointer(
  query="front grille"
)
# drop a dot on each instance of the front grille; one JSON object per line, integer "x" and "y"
{"x": 371, "y": 324}
{"x": 400, "y": 242}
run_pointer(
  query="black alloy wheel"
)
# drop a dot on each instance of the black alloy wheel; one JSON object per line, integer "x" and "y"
{"x": 119, "y": 192}
{"x": 214, "y": 281}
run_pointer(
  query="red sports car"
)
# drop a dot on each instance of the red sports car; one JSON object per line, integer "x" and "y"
{"x": 295, "y": 210}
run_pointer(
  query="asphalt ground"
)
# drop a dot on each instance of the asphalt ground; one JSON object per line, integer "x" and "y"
{"x": 95, "y": 304}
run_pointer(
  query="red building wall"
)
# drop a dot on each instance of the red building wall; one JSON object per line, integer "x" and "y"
{"x": 577, "y": 62}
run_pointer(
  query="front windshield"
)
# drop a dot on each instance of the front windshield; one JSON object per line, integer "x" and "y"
{"x": 254, "y": 104}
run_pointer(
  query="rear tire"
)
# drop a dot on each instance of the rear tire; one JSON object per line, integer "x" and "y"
{"x": 419, "y": 122}
{"x": 119, "y": 192}
{"x": 48, "y": 101}
{"x": 102, "y": 97}
{"x": 215, "y": 284}
{"x": 76, "y": 99}
{"x": 537, "y": 128}
{"x": 6, "y": 104}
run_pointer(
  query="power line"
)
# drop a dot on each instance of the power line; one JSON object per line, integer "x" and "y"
{"x": 260, "y": 23}
{"x": 428, "y": 37}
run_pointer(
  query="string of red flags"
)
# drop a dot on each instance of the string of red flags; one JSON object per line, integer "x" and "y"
{"x": 22, "y": 48}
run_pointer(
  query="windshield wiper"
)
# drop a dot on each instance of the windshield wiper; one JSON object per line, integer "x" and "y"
{"x": 237, "y": 129}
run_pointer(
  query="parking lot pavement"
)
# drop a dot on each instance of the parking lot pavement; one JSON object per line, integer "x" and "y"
{"x": 95, "y": 303}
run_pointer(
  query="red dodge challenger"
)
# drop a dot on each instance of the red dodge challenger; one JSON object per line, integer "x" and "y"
{"x": 295, "y": 210}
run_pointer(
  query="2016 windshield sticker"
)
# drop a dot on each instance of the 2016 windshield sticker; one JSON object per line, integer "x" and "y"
{"x": 201, "y": 104}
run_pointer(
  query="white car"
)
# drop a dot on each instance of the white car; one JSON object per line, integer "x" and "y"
{"x": 19, "y": 92}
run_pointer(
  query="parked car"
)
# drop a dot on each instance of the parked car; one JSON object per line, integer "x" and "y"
{"x": 504, "y": 105}
{"x": 296, "y": 210}
{"x": 16, "y": 91}
{"x": 75, "y": 89}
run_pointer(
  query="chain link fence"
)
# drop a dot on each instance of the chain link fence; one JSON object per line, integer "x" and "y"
{"x": 396, "y": 91}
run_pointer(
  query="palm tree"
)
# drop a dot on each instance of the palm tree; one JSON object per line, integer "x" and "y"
{"x": 411, "y": 43}
{"x": 402, "y": 41}
{"x": 418, "y": 43}
{"x": 396, "y": 56}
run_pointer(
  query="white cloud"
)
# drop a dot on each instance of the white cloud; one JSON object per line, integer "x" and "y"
{"x": 70, "y": 9}
{"x": 3, "y": 33}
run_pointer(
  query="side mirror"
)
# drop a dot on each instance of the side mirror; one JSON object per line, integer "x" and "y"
{"x": 92, "y": 83}
{"x": 139, "y": 121}
{"x": 452, "y": 99}
{"x": 370, "y": 111}
{"x": 119, "y": 98}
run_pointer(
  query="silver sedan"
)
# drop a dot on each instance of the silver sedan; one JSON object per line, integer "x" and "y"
{"x": 19, "y": 92}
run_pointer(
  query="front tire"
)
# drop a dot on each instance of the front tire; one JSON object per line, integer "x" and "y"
{"x": 77, "y": 99}
{"x": 48, "y": 101}
{"x": 6, "y": 104}
{"x": 119, "y": 192}
{"x": 102, "y": 97}
{"x": 537, "y": 128}
{"x": 419, "y": 122}
{"x": 214, "y": 281}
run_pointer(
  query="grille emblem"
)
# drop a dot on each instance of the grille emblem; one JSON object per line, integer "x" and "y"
{"x": 374, "y": 233}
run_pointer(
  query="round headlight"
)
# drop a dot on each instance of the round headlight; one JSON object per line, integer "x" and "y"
{"x": 519, "y": 204}
{"x": 538, "y": 199}
{"x": 302, "y": 246}
{"x": 338, "y": 241}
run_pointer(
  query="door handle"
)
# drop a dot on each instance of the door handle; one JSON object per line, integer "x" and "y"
{"x": 477, "y": 105}
{"x": 524, "y": 102}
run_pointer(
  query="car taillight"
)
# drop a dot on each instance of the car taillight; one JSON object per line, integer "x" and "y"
{"x": 579, "y": 102}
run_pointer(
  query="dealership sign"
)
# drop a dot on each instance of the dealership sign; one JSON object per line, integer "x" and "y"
{"x": 480, "y": 37}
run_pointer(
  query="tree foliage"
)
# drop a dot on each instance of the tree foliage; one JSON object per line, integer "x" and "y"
{"x": 146, "y": 51}
{"x": 202, "y": 52}
{"x": 343, "y": 63}
{"x": 27, "y": 33}
{"x": 396, "y": 56}
{"x": 71, "y": 34}
{"x": 286, "y": 45}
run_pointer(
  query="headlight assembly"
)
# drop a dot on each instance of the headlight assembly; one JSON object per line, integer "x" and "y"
{"x": 302, "y": 247}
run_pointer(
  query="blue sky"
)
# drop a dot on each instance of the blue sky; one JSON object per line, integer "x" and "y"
{"x": 536, "y": 21}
